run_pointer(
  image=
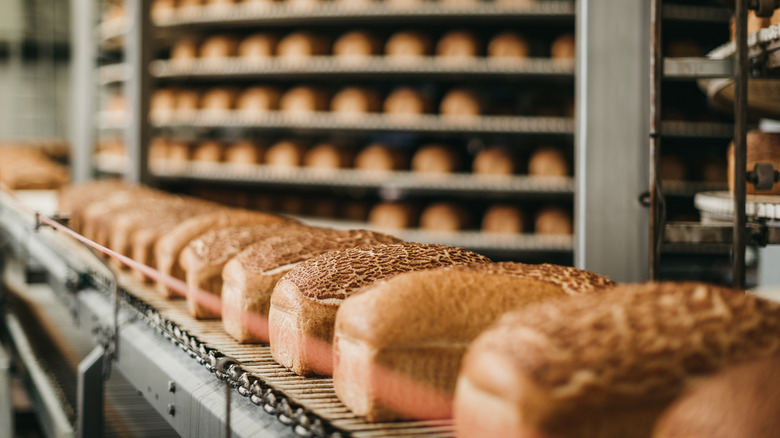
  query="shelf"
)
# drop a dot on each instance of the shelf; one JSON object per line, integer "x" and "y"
{"x": 368, "y": 122}
{"x": 113, "y": 73}
{"x": 706, "y": 14}
{"x": 378, "y": 66}
{"x": 697, "y": 129}
{"x": 253, "y": 14}
{"x": 691, "y": 68}
{"x": 690, "y": 188}
{"x": 398, "y": 181}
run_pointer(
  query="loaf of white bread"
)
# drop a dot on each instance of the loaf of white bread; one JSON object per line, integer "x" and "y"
{"x": 203, "y": 259}
{"x": 606, "y": 365}
{"x": 168, "y": 248}
{"x": 249, "y": 278}
{"x": 398, "y": 336}
{"x": 304, "y": 301}
{"x": 740, "y": 401}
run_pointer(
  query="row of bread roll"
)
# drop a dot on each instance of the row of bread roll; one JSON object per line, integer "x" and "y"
{"x": 26, "y": 167}
{"x": 428, "y": 158}
{"x": 347, "y": 103}
{"x": 450, "y": 217}
{"x": 404, "y": 45}
{"x": 113, "y": 146}
{"x": 675, "y": 168}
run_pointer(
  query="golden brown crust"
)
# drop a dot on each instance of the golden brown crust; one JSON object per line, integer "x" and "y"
{"x": 632, "y": 348}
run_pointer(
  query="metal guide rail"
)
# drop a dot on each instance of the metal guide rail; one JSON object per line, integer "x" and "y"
{"x": 306, "y": 406}
{"x": 375, "y": 66}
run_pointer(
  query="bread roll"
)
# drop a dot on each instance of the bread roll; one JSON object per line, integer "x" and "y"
{"x": 116, "y": 103}
{"x": 435, "y": 158}
{"x": 204, "y": 258}
{"x": 444, "y": 216}
{"x": 547, "y": 161}
{"x": 162, "y": 10}
{"x": 219, "y": 47}
{"x": 323, "y": 208}
{"x": 221, "y": 3}
{"x": 380, "y": 157}
{"x": 179, "y": 151}
{"x": 303, "y": 100}
{"x": 219, "y": 98}
{"x": 514, "y": 3}
{"x": 461, "y": 103}
{"x": 392, "y": 216}
{"x": 327, "y": 156}
{"x": 762, "y": 147}
{"x": 250, "y": 277}
{"x": 563, "y": 47}
{"x": 158, "y": 149}
{"x": 187, "y": 100}
{"x": 189, "y": 3}
{"x": 494, "y": 160}
{"x": 714, "y": 171}
{"x": 356, "y": 45}
{"x": 673, "y": 168}
{"x": 185, "y": 49}
{"x": 115, "y": 12}
{"x": 354, "y": 211}
{"x": 244, "y": 152}
{"x": 305, "y": 300}
{"x": 109, "y": 146}
{"x": 553, "y": 220}
{"x": 405, "y": 102}
{"x": 292, "y": 205}
{"x": 259, "y": 99}
{"x": 504, "y": 219}
{"x": 408, "y": 46}
{"x": 209, "y": 151}
{"x": 411, "y": 331}
{"x": 508, "y": 45}
{"x": 458, "y": 45}
{"x": 606, "y": 364}
{"x": 741, "y": 400}
{"x": 258, "y": 46}
{"x": 352, "y": 102}
{"x": 684, "y": 48}
{"x": 299, "y": 45}
{"x": 285, "y": 154}
{"x": 163, "y": 100}
{"x": 169, "y": 247}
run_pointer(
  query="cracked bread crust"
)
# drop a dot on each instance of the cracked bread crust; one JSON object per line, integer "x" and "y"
{"x": 567, "y": 367}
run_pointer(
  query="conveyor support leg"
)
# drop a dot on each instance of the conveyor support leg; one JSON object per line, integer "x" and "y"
{"x": 6, "y": 406}
{"x": 90, "y": 394}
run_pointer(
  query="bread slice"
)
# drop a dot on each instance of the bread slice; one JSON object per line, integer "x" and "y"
{"x": 305, "y": 300}
{"x": 168, "y": 248}
{"x": 403, "y": 339}
{"x": 204, "y": 258}
{"x": 250, "y": 277}
{"x": 606, "y": 365}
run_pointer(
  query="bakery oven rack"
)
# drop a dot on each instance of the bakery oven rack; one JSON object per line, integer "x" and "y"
{"x": 184, "y": 367}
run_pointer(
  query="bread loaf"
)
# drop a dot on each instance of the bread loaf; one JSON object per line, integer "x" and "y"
{"x": 508, "y": 45}
{"x": 444, "y": 216}
{"x": 303, "y": 100}
{"x": 300, "y": 45}
{"x": 398, "y": 344}
{"x": 435, "y": 158}
{"x": 739, "y": 401}
{"x": 606, "y": 364}
{"x": 553, "y": 220}
{"x": 563, "y": 47}
{"x": 380, "y": 157}
{"x": 327, "y": 156}
{"x": 761, "y": 147}
{"x": 392, "y": 216}
{"x": 405, "y": 102}
{"x": 305, "y": 300}
{"x": 217, "y": 47}
{"x": 285, "y": 154}
{"x": 98, "y": 216}
{"x": 244, "y": 152}
{"x": 356, "y": 45}
{"x": 257, "y": 47}
{"x": 494, "y": 160}
{"x": 459, "y": 45}
{"x": 204, "y": 257}
{"x": 352, "y": 102}
{"x": 407, "y": 46}
{"x": 547, "y": 161}
{"x": 250, "y": 277}
{"x": 72, "y": 200}
{"x": 259, "y": 99}
{"x": 219, "y": 98}
{"x": 169, "y": 247}
{"x": 504, "y": 219}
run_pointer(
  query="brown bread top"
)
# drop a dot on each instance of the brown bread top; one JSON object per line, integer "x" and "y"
{"x": 218, "y": 246}
{"x": 303, "y": 244}
{"x": 632, "y": 344}
{"x": 572, "y": 280}
{"x": 338, "y": 274}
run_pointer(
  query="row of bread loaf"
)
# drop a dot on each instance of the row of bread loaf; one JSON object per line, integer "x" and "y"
{"x": 26, "y": 166}
{"x": 406, "y": 44}
{"x": 428, "y": 158}
{"x": 420, "y": 331}
{"x": 346, "y": 102}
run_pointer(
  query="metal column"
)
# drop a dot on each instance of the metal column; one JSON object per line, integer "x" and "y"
{"x": 83, "y": 57}
{"x": 138, "y": 55}
{"x": 611, "y": 159}
{"x": 6, "y": 406}
{"x": 90, "y": 394}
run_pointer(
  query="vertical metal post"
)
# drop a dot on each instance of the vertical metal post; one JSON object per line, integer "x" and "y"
{"x": 656, "y": 76}
{"x": 6, "y": 406}
{"x": 138, "y": 55}
{"x": 611, "y": 154}
{"x": 82, "y": 113}
{"x": 740, "y": 143}
{"x": 90, "y": 394}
